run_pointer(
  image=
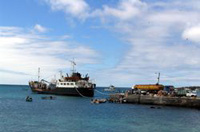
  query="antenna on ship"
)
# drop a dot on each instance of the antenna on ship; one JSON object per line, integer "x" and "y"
{"x": 61, "y": 76}
{"x": 73, "y": 65}
{"x": 38, "y": 74}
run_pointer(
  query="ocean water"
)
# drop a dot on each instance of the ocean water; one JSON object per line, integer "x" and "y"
{"x": 77, "y": 114}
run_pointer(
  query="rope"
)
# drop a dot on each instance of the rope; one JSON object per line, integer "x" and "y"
{"x": 89, "y": 97}
{"x": 80, "y": 93}
{"x": 101, "y": 92}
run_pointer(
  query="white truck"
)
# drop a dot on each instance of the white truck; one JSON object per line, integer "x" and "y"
{"x": 191, "y": 94}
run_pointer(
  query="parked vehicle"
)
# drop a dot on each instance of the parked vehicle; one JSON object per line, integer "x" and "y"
{"x": 191, "y": 94}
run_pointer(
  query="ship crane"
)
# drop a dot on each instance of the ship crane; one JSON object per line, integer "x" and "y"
{"x": 45, "y": 81}
{"x": 86, "y": 75}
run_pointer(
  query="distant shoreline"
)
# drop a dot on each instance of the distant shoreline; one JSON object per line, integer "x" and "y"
{"x": 27, "y": 85}
{"x": 13, "y": 85}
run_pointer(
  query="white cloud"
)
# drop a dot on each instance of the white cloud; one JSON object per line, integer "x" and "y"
{"x": 9, "y": 31}
{"x": 154, "y": 31}
{"x": 76, "y": 8}
{"x": 40, "y": 28}
{"x": 66, "y": 37}
{"x": 154, "y": 34}
{"x": 21, "y": 54}
{"x": 125, "y": 10}
{"x": 192, "y": 34}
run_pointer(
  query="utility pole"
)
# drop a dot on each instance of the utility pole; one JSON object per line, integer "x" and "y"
{"x": 158, "y": 78}
{"x": 38, "y": 74}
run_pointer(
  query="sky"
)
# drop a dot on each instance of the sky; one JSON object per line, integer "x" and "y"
{"x": 118, "y": 42}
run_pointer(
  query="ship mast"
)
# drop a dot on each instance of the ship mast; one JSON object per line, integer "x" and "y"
{"x": 61, "y": 76}
{"x": 73, "y": 66}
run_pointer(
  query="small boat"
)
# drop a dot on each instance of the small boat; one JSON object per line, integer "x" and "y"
{"x": 111, "y": 88}
{"x": 98, "y": 101}
{"x": 29, "y": 99}
{"x": 48, "y": 97}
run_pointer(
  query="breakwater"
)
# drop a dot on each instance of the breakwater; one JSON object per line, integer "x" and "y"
{"x": 190, "y": 102}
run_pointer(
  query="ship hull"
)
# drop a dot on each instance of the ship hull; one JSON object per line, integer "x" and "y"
{"x": 89, "y": 92}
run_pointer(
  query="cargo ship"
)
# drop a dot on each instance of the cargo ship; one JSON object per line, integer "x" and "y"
{"x": 73, "y": 85}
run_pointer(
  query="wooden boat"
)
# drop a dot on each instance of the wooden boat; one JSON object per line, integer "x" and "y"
{"x": 98, "y": 101}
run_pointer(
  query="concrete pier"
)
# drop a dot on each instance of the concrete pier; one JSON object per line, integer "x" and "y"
{"x": 191, "y": 102}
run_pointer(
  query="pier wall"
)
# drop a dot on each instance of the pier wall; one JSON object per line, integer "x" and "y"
{"x": 191, "y": 102}
{"x": 163, "y": 100}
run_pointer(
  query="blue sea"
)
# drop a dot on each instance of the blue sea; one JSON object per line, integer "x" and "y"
{"x": 77, "y": 114}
